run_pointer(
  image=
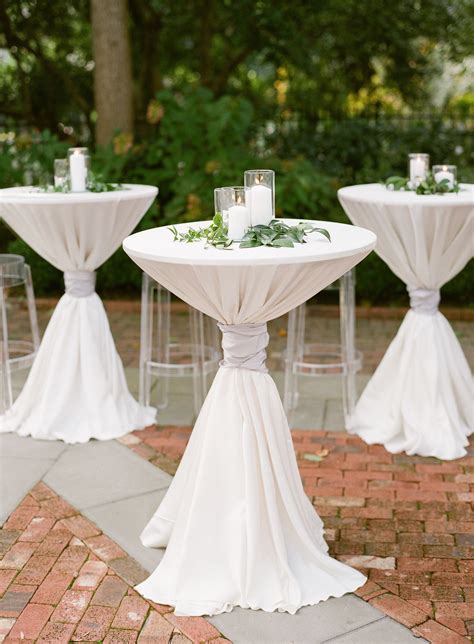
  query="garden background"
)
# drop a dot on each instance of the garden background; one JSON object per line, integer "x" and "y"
{"x": 186, "y": 95}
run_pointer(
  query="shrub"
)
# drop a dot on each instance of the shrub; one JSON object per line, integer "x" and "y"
{"x": 198, "y": 142}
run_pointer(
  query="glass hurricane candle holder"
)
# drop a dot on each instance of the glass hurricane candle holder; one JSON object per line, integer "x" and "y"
{"x": 448, "y": 172}
{"x": 61, "y": 174}
{"x": 78, "y": 168}
{"x": 418, "y": 168}
{"x": 260, "y": 186}
{"x": 230, "y": 201}
{"x": 219, "y": 203}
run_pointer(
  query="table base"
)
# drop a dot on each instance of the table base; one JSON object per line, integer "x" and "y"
{"x": 76, "y": 389}
{"x": 420, "y": 398}
{"x": 236, "y": 523}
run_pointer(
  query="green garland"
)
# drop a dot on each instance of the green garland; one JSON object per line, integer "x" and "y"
{"x": 277, "y": 234}
{"x": 95, "y": 183}
{"x": 215, "y": 234}
{"x": 427, "y": 187}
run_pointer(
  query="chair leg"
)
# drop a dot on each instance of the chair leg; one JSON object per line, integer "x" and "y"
{"x": 163, "y": 341}
{"x": 30, "y": 298}
{"x": 347, "y": 325}
{"x": 288, "y": 392}
{"x": 294, "y": 353}
{"x": 300, "y": 347}
{"x": 145, "y": 348}
{"x": 6, "y": 400}
{"x": 196, "y": 320}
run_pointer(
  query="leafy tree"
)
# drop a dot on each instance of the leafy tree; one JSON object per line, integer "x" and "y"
{"x": 298, "y": 60}
{"x": 46, "y": 77}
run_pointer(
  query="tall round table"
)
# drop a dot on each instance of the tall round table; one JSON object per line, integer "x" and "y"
{"x": 76, "y": 389}
{"x": 236, "y": 523}
{"x": 420, "y": 398}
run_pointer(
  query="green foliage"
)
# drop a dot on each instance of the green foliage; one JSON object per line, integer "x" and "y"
{"x": 202, "y": 142}
{"x": 366, "y": 150}
{"x": 426, "y": 187}
{"x": 214, "y": 235}
{"x": 280, "y": 235}
{"x": 277, "y": 234}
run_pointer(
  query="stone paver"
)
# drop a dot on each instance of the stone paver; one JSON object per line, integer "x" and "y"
{"x": 78, "y": 594}
{"x": 123, "y": 522}
{"x": 99, "y": 463}
{"x": 381, "y": 631}
{"x": 316, "y": 624}
{"x": 405, "y": 521}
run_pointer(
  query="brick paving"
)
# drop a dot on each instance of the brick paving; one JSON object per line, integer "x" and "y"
{"x": 405, "y": 521}
{"x": 62, "y": 580}
{"x": 376, "y": 327}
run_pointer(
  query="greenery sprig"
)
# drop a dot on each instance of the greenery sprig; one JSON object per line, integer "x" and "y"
{"x": 215, "y": 234}
{"x": 95, "y": 183}
{"x": 280, "y": 235}
{"x": 277, "y": 234}
{"x": 427, "y": 187}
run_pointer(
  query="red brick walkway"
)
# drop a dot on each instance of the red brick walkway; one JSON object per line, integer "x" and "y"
{"x": 406, "y": 521}
{"x": 62, "y": 580}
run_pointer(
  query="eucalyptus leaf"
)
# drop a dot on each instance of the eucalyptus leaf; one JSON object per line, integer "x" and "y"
{"x": 322, "y": 231}
{"x": 426, "y": 187}
{"x": 277, "y": 234}
{"x": 285, "y": 242}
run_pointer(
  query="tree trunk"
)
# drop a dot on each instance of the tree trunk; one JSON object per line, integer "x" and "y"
{"x": 113, "y": 84}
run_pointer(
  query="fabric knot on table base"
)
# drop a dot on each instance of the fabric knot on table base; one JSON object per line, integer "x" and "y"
{"x": 244, "y": 346}
{"x": 424, "y": 300}
{"x": 79, "y": 283}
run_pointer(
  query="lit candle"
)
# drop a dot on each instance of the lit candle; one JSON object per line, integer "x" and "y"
{"x": 418, "y": 168}
{"x": 444, "y": 173}
{"x": 77, "y": 171}
{"x": 238, "y": 221}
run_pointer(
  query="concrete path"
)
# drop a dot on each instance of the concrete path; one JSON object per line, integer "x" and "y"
{"x": 119, "y": 491}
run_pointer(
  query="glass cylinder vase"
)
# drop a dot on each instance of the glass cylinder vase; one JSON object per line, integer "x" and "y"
{"x": 418, "y": 168}
{"x": 230, "y": 202}
{"x": 445, "y": 173}
{"x": 61, "y": 174}
{"x": 260, "y": 186}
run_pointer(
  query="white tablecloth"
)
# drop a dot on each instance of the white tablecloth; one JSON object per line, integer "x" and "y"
{"x": 420, "y": 399}
{"x": 237, "y": 524}
{"x": 76, "y": 389}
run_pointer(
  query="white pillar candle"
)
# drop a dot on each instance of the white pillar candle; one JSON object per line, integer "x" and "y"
{"x": 238, "y": 222}
{"x": 445, "y": 174}
{"x": 77, "y": 172}
{"x": 417, "y": 170}
{"x": 261, "y": 205}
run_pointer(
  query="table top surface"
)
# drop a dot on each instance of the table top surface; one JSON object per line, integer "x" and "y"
{"x": 378, "y": 193}
{"x": 29, "y": 195}
{"x": 157, "y": 244}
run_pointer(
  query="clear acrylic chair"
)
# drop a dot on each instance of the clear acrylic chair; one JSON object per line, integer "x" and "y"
{"x": 162, "y": 359}
{"x": 15, "y": 354}
{"x": 319, "y": 359}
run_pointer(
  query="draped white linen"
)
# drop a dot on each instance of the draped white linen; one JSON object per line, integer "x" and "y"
{"x": 76, "y": 389}
{"x": 420, "y": 398}
{"x": 236, "y": 523}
